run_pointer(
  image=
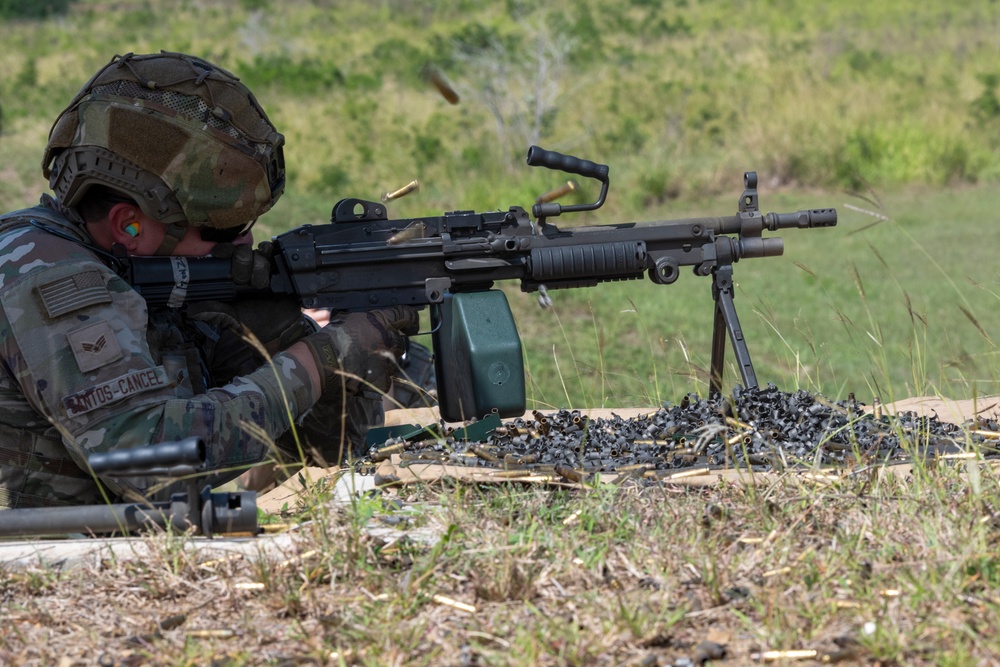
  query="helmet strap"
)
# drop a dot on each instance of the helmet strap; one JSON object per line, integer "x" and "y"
{"x": 173, "y": 233}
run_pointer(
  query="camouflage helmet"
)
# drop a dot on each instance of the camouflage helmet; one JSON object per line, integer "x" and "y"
{"x": 184, "y": 138}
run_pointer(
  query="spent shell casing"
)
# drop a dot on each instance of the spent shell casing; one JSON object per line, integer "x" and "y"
{"x": 736, "y": 423}
{"x": 484, "y": 454}
{"x": 836, "y": 446}
{"x": 556, "y": 193}
{"x": 414, "y": 231}
{"x": 519, "y": 460}
{"x": 436, "y": 78}
{"x": 637, "y": 466}
{"x": 386, "y": 452}
{"x": 521, "y": 472}
{"x": 423, "y": 457}
{"x": 412, "y": 186}
{"x": 571, "y": 474}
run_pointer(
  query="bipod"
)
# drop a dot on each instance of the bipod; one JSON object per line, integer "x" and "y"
{"x": 727, "y": 321}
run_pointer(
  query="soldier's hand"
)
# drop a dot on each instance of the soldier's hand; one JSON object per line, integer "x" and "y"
{"x": 276, "y": 322}
{"x": 250, "y": 267}
{"x": 362, "y": 349}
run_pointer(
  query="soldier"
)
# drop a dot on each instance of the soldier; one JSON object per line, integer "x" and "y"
{"x": 165, "y": 154}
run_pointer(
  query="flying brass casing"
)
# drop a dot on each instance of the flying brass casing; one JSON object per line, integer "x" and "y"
{"x": 412, "y": 186}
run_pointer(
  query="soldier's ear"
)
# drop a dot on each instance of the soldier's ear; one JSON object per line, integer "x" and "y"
{"x": 125, "y": 225}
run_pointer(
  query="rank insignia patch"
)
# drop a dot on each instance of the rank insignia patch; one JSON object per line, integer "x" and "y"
{"x": 94, "y": 346}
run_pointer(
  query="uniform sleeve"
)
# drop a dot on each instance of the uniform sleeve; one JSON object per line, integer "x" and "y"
{"x": 77, "y": 345}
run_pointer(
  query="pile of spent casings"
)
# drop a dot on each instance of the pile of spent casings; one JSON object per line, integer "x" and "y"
{"x": 759, "y": 429}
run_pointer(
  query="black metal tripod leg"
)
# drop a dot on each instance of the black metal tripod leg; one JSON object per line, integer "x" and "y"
{"x": 727, "y": 321}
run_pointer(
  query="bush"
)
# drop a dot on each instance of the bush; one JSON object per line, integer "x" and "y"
{"x": 32, "y": 9}
{"x": 905, "y": 154}
{"x": 302, "y": 77}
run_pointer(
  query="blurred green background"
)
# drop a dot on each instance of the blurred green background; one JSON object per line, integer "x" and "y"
{"x": 890, "y": 107}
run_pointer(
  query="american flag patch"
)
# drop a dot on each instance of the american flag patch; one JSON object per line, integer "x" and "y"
{"x": 73, "y": 293}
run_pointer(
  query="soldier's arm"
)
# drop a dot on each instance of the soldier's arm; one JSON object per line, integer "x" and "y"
{"x": 77, "y": 345}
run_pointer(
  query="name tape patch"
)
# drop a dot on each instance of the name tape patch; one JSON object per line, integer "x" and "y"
{"x": 114, "y": 390}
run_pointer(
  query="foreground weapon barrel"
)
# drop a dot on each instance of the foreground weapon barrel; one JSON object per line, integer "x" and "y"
{"x": 206, "y": 512}
{"x": 187, "y": 453}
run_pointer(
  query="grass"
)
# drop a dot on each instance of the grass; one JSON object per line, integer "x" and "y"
{"x": 879, "y": 568}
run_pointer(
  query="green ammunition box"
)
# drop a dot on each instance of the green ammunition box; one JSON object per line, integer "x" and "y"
{"x": 478, "y": 358}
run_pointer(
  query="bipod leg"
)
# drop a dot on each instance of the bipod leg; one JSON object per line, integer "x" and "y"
{"x": 727, "y": 321}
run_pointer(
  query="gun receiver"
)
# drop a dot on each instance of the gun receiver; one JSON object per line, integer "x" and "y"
{"x": 364, "y": 260}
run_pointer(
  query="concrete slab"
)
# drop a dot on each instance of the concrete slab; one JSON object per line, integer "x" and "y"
{"x": 92, "y": 552}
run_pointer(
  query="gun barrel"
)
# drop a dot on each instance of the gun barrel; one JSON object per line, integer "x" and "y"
{"x": 213, "y": 513}
{"x": 165, "y": 455}
{"x": 86, "y": 519}
{"x": 173, "y": 281}
{"x": 817, "y": 217}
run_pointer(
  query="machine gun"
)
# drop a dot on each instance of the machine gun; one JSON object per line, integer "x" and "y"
{"x": 205, "y": 512}
{"x": 363, "y": 260}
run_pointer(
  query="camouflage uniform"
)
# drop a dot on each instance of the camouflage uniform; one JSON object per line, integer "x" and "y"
{"x": 85, "y": 368}
{"x": 86, "y": 365}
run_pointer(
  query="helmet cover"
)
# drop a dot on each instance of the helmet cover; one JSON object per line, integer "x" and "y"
{"x": 181, "y": 136}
